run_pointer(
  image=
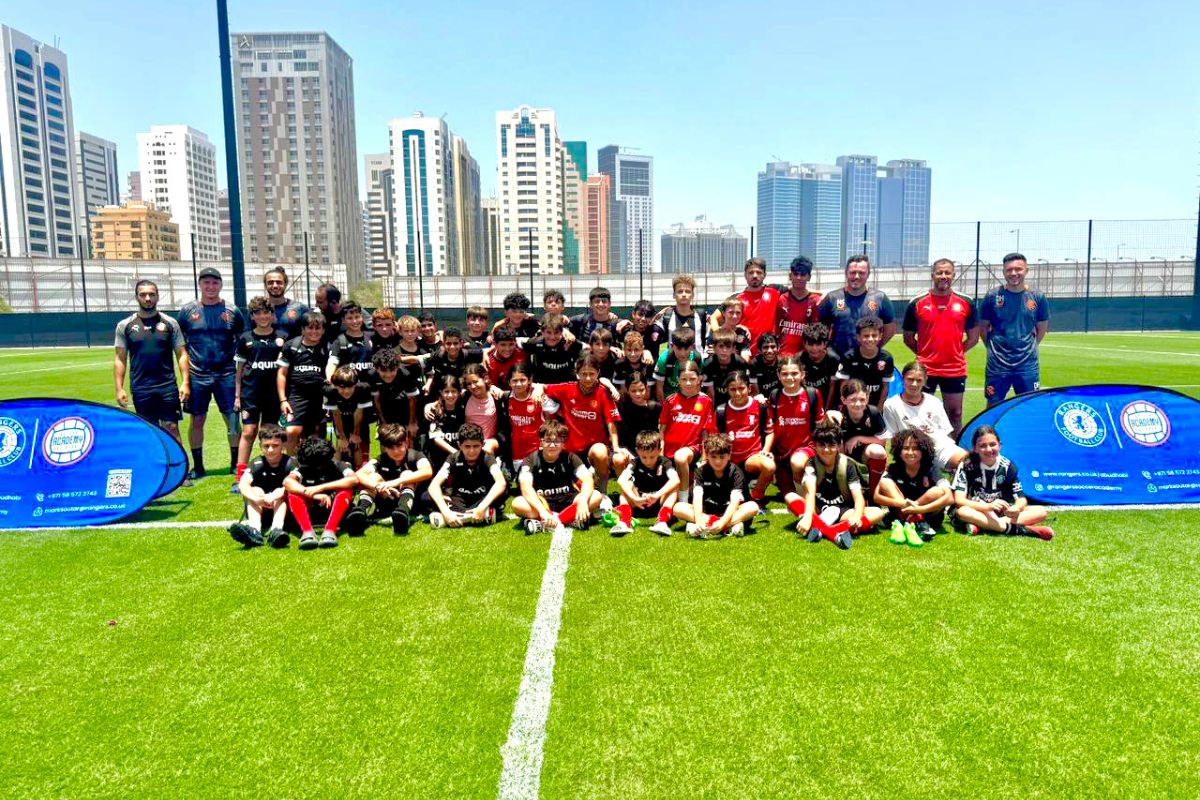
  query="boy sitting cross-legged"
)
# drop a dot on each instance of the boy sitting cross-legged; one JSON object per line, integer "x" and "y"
{"x": 319, "y": 488}
{"x": 469, "y": 488}
{"x": 717, "y": 508}
{"x": 390, "y": 483}
{"x": 261, "y": 486}
{"x": 649, "y": 487}
{"x": 557, "y": 488}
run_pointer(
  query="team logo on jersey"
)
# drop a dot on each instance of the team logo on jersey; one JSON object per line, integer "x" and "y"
{"x": 1030, "y": 304}
{"x": 880, "y": 364}
{"x": 227, "y": 316}
{"x": 68, "y": 441}
{"x": 291, "y": 314}
{"x": 999, "y": 301}
{"x": 279, "y": 342}
{"x": 1145, "y": 423}
{"x": 840, "y": 304}
{"x": 1080, "y": 424}
{"x": 956, "y": 308}
{"x": 12, "y": 440}
{"x": 160, "y": 327}
{"x": 872, "y": 305}
{"x": 698, "y": 406}
{"x": 195, "y": 316}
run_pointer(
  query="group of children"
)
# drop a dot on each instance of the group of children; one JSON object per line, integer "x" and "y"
{"x": 695, "y": 431}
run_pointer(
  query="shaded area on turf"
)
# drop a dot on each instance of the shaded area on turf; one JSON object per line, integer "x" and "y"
{"x": 386, "y": 667}
{"x": 768, "y": 667}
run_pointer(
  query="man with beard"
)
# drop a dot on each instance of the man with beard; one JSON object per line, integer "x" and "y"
{"x": 212, "y": 329}
{"x": 841, "y": 308}
{"x": 287, "y": 311}
{"x": 329, "y": 302}
{"x": 940, "y": 327}
{"x": 760, "y": 302}
{"x": 147, "y": 343}
{"x": 1013, "y": 320}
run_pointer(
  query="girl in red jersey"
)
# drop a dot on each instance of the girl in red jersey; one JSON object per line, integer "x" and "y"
{"x": 590, "y": 415}
{"x": 795, "y": 410}
{"x": 687, "y": 417}
{"x": 748, "y": 423}
{"x": 520, "y": 415}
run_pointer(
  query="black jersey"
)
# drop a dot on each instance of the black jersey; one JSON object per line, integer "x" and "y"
{"x": 874, "y": 372}
{"x": 466, "y": 481}
{"x": 986, "y": 484}
{"x": 765, "y": 376}
{"x": 359, "y": 399}
{"x": 556, "y": 480}
{"x": 525, "y": 329}
{"x": 439, "y": 365}
{"x": 829, "y": 488}
{"x": 584, "y": 325}
{"x": 648, "y": 480}
{"x": 378, "y": 342}
{"x": 287, "y": 318}
{"x": 741, "y": 340}
{"x": 626, "y": 369}
{"x": 653, "y": 338}
{"x": 720, "y": 490}
{"x": 446, "y": 424}
{"x": 871, "y": 424}
{"x": 608, "y": 367}
{"x": 820, "y": 375}
{"x": 476, "y": 344}
{"x": 268, "y": 478}
{"x": 305, "y": 366}
{"x": 151, "y": 345}
{"x": 713, "y": 375}
{"x": 913, "y": 486}
{"x": 390, "y": 470}
{"x": 353, "y": 351}
{"x": 635, "y": 419}
{"x": 212, "y": 333}
{"x": 322, "y": 472}
{"x": 260, "y": 355}
{"x": 394, "y": 398}
{"x": 552, "y": 364}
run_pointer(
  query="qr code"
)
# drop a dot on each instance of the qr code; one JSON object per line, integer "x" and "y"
{"x": 120, "y": 483}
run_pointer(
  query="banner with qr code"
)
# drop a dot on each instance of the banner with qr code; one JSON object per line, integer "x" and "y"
{"x": 1103, "y": 444}
{"x": 71, "y": 463}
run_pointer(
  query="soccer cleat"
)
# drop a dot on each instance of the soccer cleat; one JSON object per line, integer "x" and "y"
{"x": 489, "y": 516}
{"x": 619, "y": 529}
{"x": 278, "y": 538}
{"x": 738, "y": 530}
{"x": 1043, "y": 532}
{"x": 245, "y": 535}
{"x": 609, "y": 519}
{"x": 328, "y": 539}
{"x": 356, "y": 521}
{"x": 436, "y": 520}
{"x": 691, "y": 529}
{"x": 813, "y": 536}
{"x": 844, "y": 540}
{"x": 972, "y": 529}
{"x": 532, "y": 526}
{"x": 235, "y": 489}
{"x": 897, "y": 533}
{"x": 661, "y": 528}
{"x": 196, "y": 474}
{"x": 925, "y": 531}
{"x": 910, "y": 534}
{"x": 400, "y": 524}
{"x": 762, "y": 508}
{"x": 308, "y": 541}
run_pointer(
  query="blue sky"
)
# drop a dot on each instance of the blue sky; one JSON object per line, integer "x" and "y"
{"x": 1025, "y": 111}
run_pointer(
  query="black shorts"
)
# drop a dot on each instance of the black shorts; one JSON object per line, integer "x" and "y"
{"x": 458, "y": 504}
{"x": 947, "y": 385}
{"x": 205, "y": 387}
{"x": 263, "y": 407}
{"x": 560, "y": 502}
{"x": 307, "y": 412}
{"x": 160, "y": 404}
{"x": 714, "y": 507}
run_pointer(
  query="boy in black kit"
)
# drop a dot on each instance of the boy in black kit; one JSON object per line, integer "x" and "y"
{"x": 477, "y": 332}
{"x": 318, "y": 490}
{"x": 649, "y": 487}
{"x": 300, "y": 380}
{"x": 449, "y": 359}
{"x": 395, "y": 398}
{"x": 557, "y": 488}
{"x": 654, "y": 336}
{"x": 390, "y": 483}
{"x": 353, "y": 347}
{"x": 257, "y": 358}
{"x": 261, "y": 487}
{"x": 867, "y": 362}
{"x": 820, "y": 362}
{"x": 348, "y": 400}
{"x": 517, "y": 317}
{"x": 723, "y": 361}
{"x": 634, "y": 362}
{"x": 719, "y": 489}
{"x": 551, "y": 355}
{"x": 469, "y": 486}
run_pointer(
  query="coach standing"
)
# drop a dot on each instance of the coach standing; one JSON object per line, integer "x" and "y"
{"x": 759, "y": 301}
{"x": 1014, "y": 320}
{"x": 841, "y": 308}
{"x": 940, "y": 327}
{"x": 147, "y": 343}
{"x": 212, "y": 329}
{"x": 287, "y": 311}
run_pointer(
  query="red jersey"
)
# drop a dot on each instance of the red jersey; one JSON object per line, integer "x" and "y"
{"x": 525, "y": 417}
{"x": 791, "y": 315}
{"x": 585, "y": 415}
{"x": 794, "y": 417}
{"x": 940, "y": 324}
{"x": 759, "y": 314}
{"x": 498, "y": 369}
{"x": 684, "y": 419}
{"x": 746, "y": 426}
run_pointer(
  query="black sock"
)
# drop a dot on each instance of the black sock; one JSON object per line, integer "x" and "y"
{"x": 198, "y": 459}
{"x": 233, "y": 457}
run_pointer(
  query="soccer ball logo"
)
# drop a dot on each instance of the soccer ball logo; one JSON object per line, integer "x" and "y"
{"x": 1145, "y": 423}
{"x": 68, "y": 441}
{"x": 1080, "y": 424}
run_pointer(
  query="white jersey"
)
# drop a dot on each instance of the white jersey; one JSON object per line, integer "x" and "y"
{"x": 929, "y": 416}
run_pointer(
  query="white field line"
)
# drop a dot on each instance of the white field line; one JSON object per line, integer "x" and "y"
{"x": 1119, "y": 350}
{"x": 521, "y": 775}
{"x": 72, "y": 365}
{"x": 125, "y": 526}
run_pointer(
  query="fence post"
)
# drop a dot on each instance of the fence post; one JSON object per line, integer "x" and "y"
{"x": 978, "y": 224}
{"x": 87, "y": 328}
{"x": 1087, "y": 285}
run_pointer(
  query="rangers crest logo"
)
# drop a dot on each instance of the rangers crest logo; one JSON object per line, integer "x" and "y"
{"x": 1030, "y": 304}
{"x": 227, "y": 316}
{"x": 195, "y": 316}
{"x": 291, "y": 314}
{"x": 999, "y": 301}
{"x": 840, "y": 305}
{"x": 872, "y": 305}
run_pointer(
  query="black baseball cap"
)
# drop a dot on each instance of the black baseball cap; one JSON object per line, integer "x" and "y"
{"x": 209, "y": 272}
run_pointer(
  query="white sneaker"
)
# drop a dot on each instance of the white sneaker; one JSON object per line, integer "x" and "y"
{"x": 436, "y": 520}
{"x": 620, "y": 529}
{"x": 661, "y": 528}
{"x": 605, "y": 506}
{"x": 533, "y": 526}
{"x": 692, "y": 529}
{"x": 738, "y": 530}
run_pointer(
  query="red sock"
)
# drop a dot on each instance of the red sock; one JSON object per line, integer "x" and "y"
{"x": 664, "y": 514}
{"x": 241, "y": 470}
{"x": 567, "y": 515}
{"x": 875, "y": 468}
{"x": 298, "y": 505}
{"x": 341, "y": 502}
{"x": 796, "y": 507}
{"x": 831, "y": 532}
{"x": 625, "y": 512}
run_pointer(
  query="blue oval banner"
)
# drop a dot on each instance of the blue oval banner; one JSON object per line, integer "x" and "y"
{"x": 1103, "y": 444}
{"x": 73, "y": 463}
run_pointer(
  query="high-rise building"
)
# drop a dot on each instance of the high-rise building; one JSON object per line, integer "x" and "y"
{"x": 860, "y": 206}
{"x": 133, "y": 188}
{"x": 779, "y": 190}
{"x": 134, "y": 232}
{"x": 39, "y": 208}
{"x": 530, "y": 190}
{"x": 97, "y": 182}
{"x": 631, "y": 205}
{"x": 593, "y": 254}
{"x": 703, "y": 247}
{"x": 380, "y": 216}
{"x": 470, "y": 214}
{"x": 904, "y": 196}
{"x": 821, "y": 215}
{"x": 422, "y": 156}
{"x": 574, "y": 176}
{"x": 490, "y": 211}
{"x": 226, "y": 230}
{"x": 365, "y": 219}
{"x": 178, "y": 166}
{"x": 296, "y": 150}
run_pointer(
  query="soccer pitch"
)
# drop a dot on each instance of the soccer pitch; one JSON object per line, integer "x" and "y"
{"x": 154, "y": 659}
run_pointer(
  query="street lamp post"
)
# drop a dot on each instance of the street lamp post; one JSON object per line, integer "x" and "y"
{"x": 530, "y": 232}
